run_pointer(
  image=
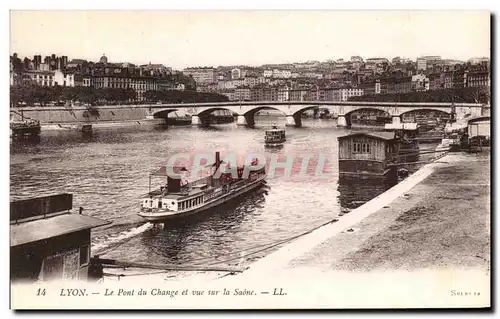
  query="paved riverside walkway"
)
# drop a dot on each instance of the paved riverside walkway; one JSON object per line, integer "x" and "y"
{"x": 441, "y": 222}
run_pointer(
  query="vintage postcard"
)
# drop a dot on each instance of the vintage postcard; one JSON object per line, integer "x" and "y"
{"x": 250, "y": 159}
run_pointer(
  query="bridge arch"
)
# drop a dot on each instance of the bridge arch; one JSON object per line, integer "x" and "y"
{"x": 163, "y": 113}
{"x": 299, "y": 109}
{"x": 291, "y": 111}
{"x": 246, "y": 116}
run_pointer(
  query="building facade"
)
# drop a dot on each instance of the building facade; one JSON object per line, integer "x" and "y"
{"x": 203, "y": 75}
{"x": 140, "y": 84}
{"x": 478, "y": 79}
{"x": 345, "y": 94}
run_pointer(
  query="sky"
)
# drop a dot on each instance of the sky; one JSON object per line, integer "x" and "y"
{"x": 211, "y": 38}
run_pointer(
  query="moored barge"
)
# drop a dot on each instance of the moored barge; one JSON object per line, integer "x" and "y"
{"x": 367, "y": 154}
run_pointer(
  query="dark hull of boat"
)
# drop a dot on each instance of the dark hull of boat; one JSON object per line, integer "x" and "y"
{"x": 364, "y": 169}
{"x": 279, "y": 144}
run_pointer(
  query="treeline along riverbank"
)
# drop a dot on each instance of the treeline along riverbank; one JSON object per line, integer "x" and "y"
{"x": 33, "y": 95}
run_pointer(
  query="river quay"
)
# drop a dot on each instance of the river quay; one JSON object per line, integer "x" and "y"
{"x": 438, "y": 218}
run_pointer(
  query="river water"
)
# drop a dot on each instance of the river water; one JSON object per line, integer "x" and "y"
{"x": 108, "y": 172}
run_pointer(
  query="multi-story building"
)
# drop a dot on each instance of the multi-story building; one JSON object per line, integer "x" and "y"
{"x": 242, "y": 93}
{"x": 80, "y": 80}
{"x": 333, "y": 95}
{"x": 264, "y": 93}
{"x": 228, "y": 85}
{"x": 235, "y": 74}
{"x": 402, "y": 84}
{"x": 297, "y": 94}
{"x": 282, "y": 74}
{"x": 428, "y": 62}
{"x": 478, "y": 78}
{"x": 421, "y": 64}
{"x": 283, "y": 93}
{"x": 345, "y": 94}
{"x": 201, "y": 74}
{"x": 47, "y": 78}
{"x": 435, "y": 82}
{"x": 123, "y": 78}
{"x": 267, "y": 73}
{"x": 420, "y": 82}
{"x": 384, "y": 85}
{"x": 140, "y": 84}
{"x": 447, "y": 80}
{"x": 369, "y": 87}
{"x": 251, "y": 81}
{"x": 311, "y": 95}
{"x": 459, "y": 79}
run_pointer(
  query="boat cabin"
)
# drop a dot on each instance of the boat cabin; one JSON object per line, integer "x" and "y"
{"x": 48, "y": 242}
{"x": 367, "y": 153}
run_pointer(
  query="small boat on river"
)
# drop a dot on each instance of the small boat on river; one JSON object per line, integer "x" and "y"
{"x": 24, "y": 128}
{"x": 275, "y": 136}
{"x": 178, "y": 199}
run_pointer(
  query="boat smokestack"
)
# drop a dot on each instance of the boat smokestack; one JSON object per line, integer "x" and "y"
{"x": 173, "y": 185}
{"x": 217, "y": 161}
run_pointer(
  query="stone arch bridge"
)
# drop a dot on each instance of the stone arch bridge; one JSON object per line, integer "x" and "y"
{"x": 293, "y": 109}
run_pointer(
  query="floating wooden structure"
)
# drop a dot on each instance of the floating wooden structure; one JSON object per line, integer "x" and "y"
{"x": 367, "y": 154}
{"x": 47, "y": 241}
{"x": 113, "y": 263}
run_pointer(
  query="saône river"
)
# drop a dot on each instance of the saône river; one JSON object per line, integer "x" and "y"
{"x": 108, "y": 172}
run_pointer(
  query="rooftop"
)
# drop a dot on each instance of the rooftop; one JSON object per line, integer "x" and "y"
{"x": 386, "y": 136}
{"x": 46, "y": 228}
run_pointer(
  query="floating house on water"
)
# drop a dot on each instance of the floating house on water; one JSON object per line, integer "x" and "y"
{"x": 367, "y": 154}
{"x": 479, "y": 133}
{"x": 479, "y": 126}
{"x": 47, "y": 241}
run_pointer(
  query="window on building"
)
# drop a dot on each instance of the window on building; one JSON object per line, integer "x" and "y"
{"x": 84, "y": 255}
{"x": 356, "y": 147}
{"x": 361, "y": 148}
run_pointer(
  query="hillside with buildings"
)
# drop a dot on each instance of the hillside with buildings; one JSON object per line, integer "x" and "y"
{"x": 399, "y": 79}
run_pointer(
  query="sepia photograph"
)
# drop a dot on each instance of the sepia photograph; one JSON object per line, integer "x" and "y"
{"x": 250, "y": 159}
